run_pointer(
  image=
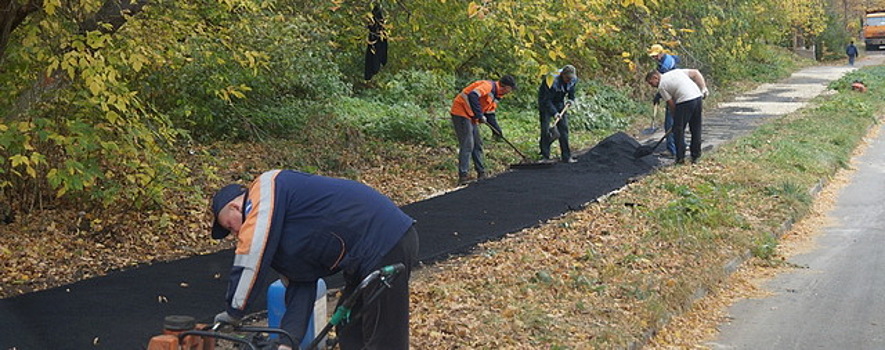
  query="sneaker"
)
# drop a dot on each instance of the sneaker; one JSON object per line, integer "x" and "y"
{"x": 680, "y": 161}
{"x": 570, "y": 160}
{"x": 694, "y": 160}
{"x": 481, "y": 175}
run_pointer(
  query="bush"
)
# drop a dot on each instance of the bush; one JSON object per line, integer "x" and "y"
{"x": 422, "y": 88}
{"x": 403, "y": 122}
{"x": 218, "y": 90}
{"x": 603, "y": 107}
{"x": 833, "y": 40}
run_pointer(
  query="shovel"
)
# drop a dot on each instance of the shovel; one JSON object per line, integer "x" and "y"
{"x": 652, "y": 128}
{"x": 643, "y": 151}
{"x": 553, "y": 131}
{"x": 526, "y": 162}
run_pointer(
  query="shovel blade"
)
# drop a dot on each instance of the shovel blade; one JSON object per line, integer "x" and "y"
{"x": 553, "y": 132}
{"x": 643, "y": 151}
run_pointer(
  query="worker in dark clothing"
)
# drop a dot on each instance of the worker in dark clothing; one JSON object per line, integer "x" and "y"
{"x": 556, "y": 90}
{"x": 469, "y": 109}
{"x": 306, "y": 227}
{"x": 851, "y": 51}
{"x": 666, "y": 62}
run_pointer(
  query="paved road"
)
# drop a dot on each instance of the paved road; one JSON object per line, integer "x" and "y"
{"x": 836, "y": 303}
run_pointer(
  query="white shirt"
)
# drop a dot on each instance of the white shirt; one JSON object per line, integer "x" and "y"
{"x": 676, "y": 85}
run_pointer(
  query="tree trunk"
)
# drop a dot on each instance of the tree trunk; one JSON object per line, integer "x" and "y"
{"x": 12, "y": 14}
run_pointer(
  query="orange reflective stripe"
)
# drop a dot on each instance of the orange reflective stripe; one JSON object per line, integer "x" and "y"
{"x": 253, "y": 235}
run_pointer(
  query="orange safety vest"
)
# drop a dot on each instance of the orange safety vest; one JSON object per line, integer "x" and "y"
{"x": 461, "y": 105}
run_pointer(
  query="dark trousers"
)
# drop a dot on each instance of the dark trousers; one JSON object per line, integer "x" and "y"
{"x": 668, "y": 123}
{"x": 383, "y": 324}
{"x": 562, "y": 126}
{"x": 688, "y": 112}
{"x": 469, "y": 145}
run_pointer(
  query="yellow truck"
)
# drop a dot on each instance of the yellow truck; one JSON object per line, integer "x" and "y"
{"x": 874, "y": 29}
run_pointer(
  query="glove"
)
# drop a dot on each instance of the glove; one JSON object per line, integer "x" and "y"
{"x": 570, "y": 103}
{"x": 481, "y": 119}
{"x": 657, "y": 99}
{"x": 225, "y": 318}
{"x": 705, "y": 92}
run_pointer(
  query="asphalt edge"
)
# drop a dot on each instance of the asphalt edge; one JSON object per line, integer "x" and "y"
{"x": 736, "y": 262}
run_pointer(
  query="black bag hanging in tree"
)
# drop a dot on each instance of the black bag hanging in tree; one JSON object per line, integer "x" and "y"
{"x": 376, "y": 51}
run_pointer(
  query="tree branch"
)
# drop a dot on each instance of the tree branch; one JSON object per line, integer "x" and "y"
{"x": 113, "y": 13}
{"x": 108, "y": 19}
{"x": 12, "y": 14}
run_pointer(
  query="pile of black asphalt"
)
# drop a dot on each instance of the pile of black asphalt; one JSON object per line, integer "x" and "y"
{"x": 123, "y": 309}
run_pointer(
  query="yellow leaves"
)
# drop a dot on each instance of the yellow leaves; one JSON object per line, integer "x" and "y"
{"x": 254, "y": 60}
{"x": 28, "y": 162}
{"x": 555, "y": 51}
{"x": 626, "y": 59}
{"x": 710, "y": 23}
{"x": 94, "y": 84}
{"x": 112, "y": 117}
{"x": 50, "y": 6}
{"x": 477, "y": 10}
{"x": 137, "y": 61}
{"x": 96, "y": 39}
{"x": 638, "y": 3}
{"x": 228, "y": 93}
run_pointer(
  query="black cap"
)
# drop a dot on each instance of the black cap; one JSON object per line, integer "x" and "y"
{"x": 219, "y": 200}
{"x": 508, "y": 80}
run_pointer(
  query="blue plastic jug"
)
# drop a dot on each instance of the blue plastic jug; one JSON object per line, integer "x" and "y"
{"x": 276, "y": 307}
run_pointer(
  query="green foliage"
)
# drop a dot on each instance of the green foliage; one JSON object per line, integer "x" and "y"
{"x": 427, "y": 89}
{"x": 872, "y": 77}
{"x": 697, "y": 210}
{"x": 225, "y": 88}
{"x": 76, "y": 125}
{"x": 603, "y": 107}
{"x": 765, "y": 247}
{"x": 790, "y": 192}
{"x": 109, "y": 106}
{"x": 403, "y": 122}
{"x": 832, "y": 42}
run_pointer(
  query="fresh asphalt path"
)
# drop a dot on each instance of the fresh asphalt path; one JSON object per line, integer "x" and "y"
{"x": 836, "y": 302}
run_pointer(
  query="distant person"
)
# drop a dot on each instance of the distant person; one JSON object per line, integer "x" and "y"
{"x": 851, "y": 51}
{"x": 473, "y": 106}
{"x": 665, "y": 62}
{"x": 684, "y": 90}
{"x": 557, "y": 89}
{"x": 306, "y": 227}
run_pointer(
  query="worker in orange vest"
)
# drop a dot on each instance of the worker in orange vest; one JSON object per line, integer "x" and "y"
{"x": 475, "y": 105}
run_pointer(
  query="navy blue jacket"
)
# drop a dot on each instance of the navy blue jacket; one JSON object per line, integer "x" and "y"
{"x": 306, "y": 227}
{"x": 551, "y": 98}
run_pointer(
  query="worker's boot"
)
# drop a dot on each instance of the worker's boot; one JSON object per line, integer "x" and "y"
{"x": 463, "y": 179}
